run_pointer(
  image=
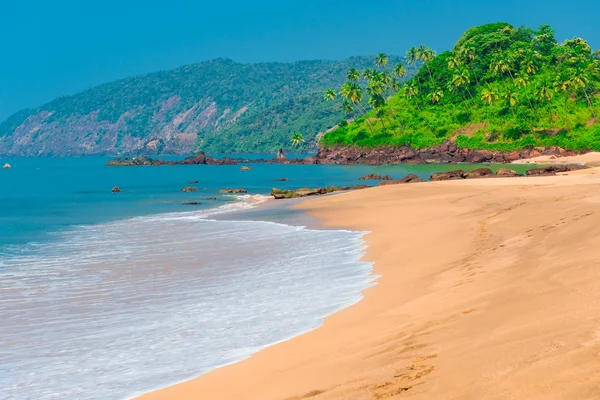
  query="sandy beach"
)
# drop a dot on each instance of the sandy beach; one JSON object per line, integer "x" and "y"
{"x": 488, "y": 289}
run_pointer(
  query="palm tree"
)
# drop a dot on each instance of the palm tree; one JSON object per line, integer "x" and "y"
{"x": 353, "y": 93}
{"x": 544, "y": 92}
{"x": 412, "y": 56}
{"x": 368, "y": 73}
{"x": 425, "y": 54}
{"x": 521, "y": 81}
{"x": 462, "y": 78}
{"x": 297, "y": 139}
{"x": 580, "y": 79}
{"x": 400, "y": 70}
{"x": 381, "y": 60}
{"x": 564, "y": 84}
{"x": 511, "y": 97}
{"x": 488, "y": 95}
{"x": 347, "y": 107}
{"x": 353, "y": 75}
{"x": 330, "y": 95}
{"x": 468, "y": 55}
{"x": 436, "y": 95}
{"x": 454, "y": 63}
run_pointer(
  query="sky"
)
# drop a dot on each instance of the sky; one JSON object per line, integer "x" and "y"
{"x": 55, "y": 48}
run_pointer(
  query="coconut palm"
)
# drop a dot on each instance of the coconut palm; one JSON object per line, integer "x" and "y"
{"x": 454, "y": 63}
{"x": 400, "y": 70}
{"x": 330, "y": 95}
{"x": 468, "y": 55}
{"x": 412, "y": 56}
{"x": 353, "y": 93}
{"x": 488, "y": 95}
{"x": 381, "y": 60}
{"x": 353, "y": 75}
{"x": 347, "y": 107}
{"x": 563, "y": 84}
{"x": 462, "y": 78}
{"x": 368, "y": 73}
{"x": 511, "y": 97}
{"x": 297, "y": 139}
{"x": 580, "y": 79}
{"x": 425, "y": 54}
{"x": 544, "y": 92}
{"x": 435, "y": 96}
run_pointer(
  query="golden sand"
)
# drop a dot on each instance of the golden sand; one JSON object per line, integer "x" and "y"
{"x": 489, "y": 289}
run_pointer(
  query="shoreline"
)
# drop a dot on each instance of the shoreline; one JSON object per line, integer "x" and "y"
{"x": 373, "y": 341}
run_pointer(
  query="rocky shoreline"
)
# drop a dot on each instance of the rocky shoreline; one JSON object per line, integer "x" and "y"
{"x": 446, "y": 153}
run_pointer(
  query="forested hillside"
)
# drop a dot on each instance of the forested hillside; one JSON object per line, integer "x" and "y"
{"x": 216, "y": 106}
{"x": 500, "y": 88}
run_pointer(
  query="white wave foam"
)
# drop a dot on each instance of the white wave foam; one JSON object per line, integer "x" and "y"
{"x": 121, "y": 308}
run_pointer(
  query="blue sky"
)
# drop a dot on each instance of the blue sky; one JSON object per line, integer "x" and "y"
{"x": 54, "y": 48}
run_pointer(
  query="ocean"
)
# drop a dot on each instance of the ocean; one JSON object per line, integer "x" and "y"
{"x": 107, "y": 295}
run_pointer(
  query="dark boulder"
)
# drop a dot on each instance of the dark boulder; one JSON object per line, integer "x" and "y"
{"x": 410, "y": 178}
{"x": 507, "y": 173}
{"x": 189, "y": 189}
{"x": 375, "y": 177}
{"x": 554, "y": 169}
{"x": 479, "y": 173}
{"x": 191, "y": 203}
{"x": 448, "y": 176}
{"x": 193, "y": 183}
{"x": 232, "y": 191}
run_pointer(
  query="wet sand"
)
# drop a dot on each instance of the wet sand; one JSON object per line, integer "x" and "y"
{"x": 489, "y": 289}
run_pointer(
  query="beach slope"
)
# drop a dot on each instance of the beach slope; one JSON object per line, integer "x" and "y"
{"x": 489, "y": 289}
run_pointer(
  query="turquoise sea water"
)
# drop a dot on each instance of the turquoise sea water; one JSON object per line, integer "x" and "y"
{"x": 104, "y": 295}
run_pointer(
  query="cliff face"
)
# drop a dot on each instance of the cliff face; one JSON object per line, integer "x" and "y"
{"x": 216, "y": 106}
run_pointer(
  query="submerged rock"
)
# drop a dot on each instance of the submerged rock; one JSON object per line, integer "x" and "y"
{"x": 281, "y": 179}
{"x": 410, "y": 178}
{"x": 305, "y": 192}
{"x": 507, "y": 173}
{"x": 554, "y": 169}
{"x": 448, "y": 176}
{"x": 479, "y": 173}
{"x": 193, "y": 183}
{"x": 375, "y": 177}
{"x": 191, "y": 203}
{"x": 134, "y": 162}
{"x": 189, "y": 189}
{"x": 245, "y": 168}
{"x": 116, "y": 189}
{"x": 233, "y": 191}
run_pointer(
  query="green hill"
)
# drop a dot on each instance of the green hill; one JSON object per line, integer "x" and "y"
{"x": 500, "y": 88}
{"x": 216, "y": 106}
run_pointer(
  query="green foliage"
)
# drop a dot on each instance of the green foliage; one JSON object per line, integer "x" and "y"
{"x": 500, "y": 88}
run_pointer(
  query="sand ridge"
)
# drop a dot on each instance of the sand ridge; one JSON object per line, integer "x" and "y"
{"x": 489, "y": 289}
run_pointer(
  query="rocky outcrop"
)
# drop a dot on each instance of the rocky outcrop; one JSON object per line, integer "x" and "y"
{"x": 279, "y": 194}
{"x": 554, "y": 169}
{"x": 189, "y": 189}
{"x": 6, "y": 166}
{"x": 479, "y": 173}
{"x": 245, "y": 168}
{"x": 507, "y": 173}
{"x": 375, "y": 177}
{"x": 446, "y": 153}
{"x": 448, "y": 176}
{"x": 233, "y": 191}
{"x": 116, "y": 189}
{"x": 281, "y": 156}
{"x": 410, "y": 178}
{"x": 134, "y": 162}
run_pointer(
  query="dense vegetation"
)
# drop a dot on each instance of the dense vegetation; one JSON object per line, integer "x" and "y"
{"x": 225, "y": 106}
{"x": 500, "y": 88}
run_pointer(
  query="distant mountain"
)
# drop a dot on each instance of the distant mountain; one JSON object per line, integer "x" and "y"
{"x": 216, "y": 106}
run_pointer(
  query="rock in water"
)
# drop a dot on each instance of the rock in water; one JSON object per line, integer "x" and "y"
{"x": 6, "y": 166}
{"x": 375, "y": 177}
{"x": 233, "y": 191}
{"x": 479, "y": 173}
{"x": 191, "y": 203}
{"x": 554, "y": 169}
{"x": 245, "y": 168}
{"x": 448, "y": 176}
{"x": 193, "y": 183}
{"x": 410, "y": 178}
{"x": 507, "y": 173}
{"x": 116, "y": 190}
{"x": 189, "y": 189}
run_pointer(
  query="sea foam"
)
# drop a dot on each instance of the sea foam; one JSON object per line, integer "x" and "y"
{"x": 112, "y": 310}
